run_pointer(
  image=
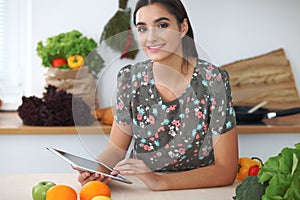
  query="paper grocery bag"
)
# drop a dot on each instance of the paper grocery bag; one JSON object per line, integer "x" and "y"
{"x": 78, "y": 82}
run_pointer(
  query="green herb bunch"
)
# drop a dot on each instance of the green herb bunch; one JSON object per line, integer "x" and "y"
{"x": 117, "y": 33}
{"x": 282, "y": 173}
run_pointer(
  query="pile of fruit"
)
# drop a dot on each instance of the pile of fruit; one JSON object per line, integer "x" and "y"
{"x": 277, "y": 178}
{"x": 93, "y": 190}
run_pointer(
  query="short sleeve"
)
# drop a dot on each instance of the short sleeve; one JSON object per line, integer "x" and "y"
{"x": 230, "y": 120}
{"x": 123, "y": 114}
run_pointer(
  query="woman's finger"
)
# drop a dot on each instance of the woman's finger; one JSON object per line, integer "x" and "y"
{"x": 132, "y": 166}
{"x": 83, "y": 176}
{"x": 114, "y": 173}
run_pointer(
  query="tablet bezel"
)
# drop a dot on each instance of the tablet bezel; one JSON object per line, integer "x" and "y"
{"x": 78, "y": 166}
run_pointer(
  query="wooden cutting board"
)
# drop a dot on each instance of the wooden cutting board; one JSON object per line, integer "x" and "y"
{"x": 266, "y": 77}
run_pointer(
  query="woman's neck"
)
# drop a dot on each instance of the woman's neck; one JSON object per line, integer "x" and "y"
{"x": 169, "y": 79}
{"x": 173, "y": 62}
{"x": 174, "y": 68}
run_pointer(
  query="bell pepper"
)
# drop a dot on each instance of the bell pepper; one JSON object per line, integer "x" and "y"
{"x": 253, "y": 170}
{"x": 244, "y": 165}
{"x": 75, "y": 62}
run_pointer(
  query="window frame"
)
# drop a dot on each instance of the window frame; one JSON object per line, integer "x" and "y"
{"x": 15, "y": 78}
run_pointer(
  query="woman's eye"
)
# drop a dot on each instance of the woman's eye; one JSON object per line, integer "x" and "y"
{"x": 163, "y": 25}
{"x": 141, "y": 29}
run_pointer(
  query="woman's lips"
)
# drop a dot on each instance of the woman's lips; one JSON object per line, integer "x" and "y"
{"x": 155, "y": 48}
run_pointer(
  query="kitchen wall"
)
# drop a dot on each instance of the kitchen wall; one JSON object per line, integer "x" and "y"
{"x": 227, "y": 31}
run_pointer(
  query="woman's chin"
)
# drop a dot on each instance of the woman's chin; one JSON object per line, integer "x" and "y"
{"x": 158, "y": 56}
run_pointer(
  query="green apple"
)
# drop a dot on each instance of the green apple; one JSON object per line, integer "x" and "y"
{"x": 40, "y": 189}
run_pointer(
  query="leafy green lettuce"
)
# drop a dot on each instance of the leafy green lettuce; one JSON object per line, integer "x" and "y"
{"x": 282, "y": 172}
{"x": 67, "y": 44}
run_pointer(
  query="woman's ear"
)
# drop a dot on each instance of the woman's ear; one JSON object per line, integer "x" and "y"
{"x": 184, "y": 27}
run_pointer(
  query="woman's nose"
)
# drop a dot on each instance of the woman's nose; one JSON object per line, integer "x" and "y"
{"x": 152, "y": 35}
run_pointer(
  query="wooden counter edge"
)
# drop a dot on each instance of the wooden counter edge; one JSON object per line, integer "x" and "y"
{"x": 12, "y": 125}
{"x": 105, "y": 129}
{"x": 267, "y": 129}
{"x": 28, "y": 130}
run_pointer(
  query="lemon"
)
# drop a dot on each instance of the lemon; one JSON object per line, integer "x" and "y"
{"x": 101, "y": 198}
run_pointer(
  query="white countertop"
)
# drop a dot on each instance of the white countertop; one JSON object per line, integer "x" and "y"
{"x": 18, "y": 187}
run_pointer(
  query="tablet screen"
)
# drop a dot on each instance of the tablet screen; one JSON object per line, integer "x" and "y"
{"x": 88, "y": 165}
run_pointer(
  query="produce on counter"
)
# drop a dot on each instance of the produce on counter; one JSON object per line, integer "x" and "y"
{"x": 39, "y": 190}
{"x": 282, "y": 173}
{"x": 246, "y": 166}
{"x": 93, "y": 189}
{"x": 101, "y": 198}
{"x": 253, "y": 170}
{"x": 68, "y": 44}
{"x": 250, "y": 189}
{"x": 61, "y": 192}
{"x": 279, "y": 178}
{"x": 56, "y": 108}
{"x": 48, "y": 190}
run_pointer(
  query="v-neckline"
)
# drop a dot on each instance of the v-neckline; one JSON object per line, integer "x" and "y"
{"x": 181, "y": 96}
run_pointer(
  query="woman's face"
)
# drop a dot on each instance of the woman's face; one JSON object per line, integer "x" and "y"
{"x": 158, "y": 32}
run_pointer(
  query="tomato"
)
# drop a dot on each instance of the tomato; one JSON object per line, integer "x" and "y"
{"x": 57, "y": 62}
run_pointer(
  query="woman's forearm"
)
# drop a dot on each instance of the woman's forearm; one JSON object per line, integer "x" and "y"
{"x": 116, "y": 147}
{"x": 204, "y": 177}
{"x": 210, "y": 176}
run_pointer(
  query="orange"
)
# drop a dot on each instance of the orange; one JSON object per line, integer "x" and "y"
{"x": 61, "y": 192}
{"x": 106, "y": 115}
{"x": 94, "y": 188}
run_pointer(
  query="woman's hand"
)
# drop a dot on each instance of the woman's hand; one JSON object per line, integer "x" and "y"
{"x": 139, "y": 169}
{"x": 85, "y": 177}
{"x": 131, "y": 166}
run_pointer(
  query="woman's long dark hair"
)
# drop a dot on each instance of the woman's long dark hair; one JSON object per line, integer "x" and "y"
{"x": 176, "y": 8}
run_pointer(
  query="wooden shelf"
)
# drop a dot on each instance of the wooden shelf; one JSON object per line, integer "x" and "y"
{"x": 11, "y": 124}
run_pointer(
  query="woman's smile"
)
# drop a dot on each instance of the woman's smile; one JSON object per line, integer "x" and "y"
{"x": 155, "y": 48}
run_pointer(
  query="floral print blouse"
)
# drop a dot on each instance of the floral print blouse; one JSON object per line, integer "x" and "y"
{"x": 175, "y": 135}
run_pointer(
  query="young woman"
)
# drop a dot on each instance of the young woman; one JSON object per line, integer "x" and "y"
{"x": 177, "y": 108}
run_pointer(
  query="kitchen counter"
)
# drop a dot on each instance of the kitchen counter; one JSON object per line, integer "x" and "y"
{"x": 10, "y": 123}
{"x": 18, "y": 186}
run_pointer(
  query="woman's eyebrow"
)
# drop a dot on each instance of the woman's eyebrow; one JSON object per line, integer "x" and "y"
{"x": 155, "y": 21}
{"x": 161, "y": 19}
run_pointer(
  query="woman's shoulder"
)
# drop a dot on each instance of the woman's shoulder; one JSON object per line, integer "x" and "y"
{"x": 131, "y": 69}
{"x": 210, "y": 68}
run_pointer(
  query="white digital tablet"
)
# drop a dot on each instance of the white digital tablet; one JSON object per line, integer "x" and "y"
{"x": 85, "y": 164}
